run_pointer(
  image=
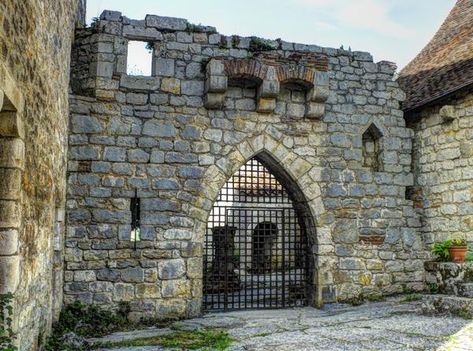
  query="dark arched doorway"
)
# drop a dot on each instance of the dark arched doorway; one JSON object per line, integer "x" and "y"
{"x": 264, "y": 236}
{"x": 257, "y": 252}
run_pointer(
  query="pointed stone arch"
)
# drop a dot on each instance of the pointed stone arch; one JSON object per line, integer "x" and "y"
{"x": 298, "y": 176}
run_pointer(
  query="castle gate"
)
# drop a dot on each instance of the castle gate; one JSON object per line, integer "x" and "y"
{"x": 256, "y": 252}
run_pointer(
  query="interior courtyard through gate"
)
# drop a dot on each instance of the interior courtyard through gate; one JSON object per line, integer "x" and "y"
{"x": 257, "y": 252}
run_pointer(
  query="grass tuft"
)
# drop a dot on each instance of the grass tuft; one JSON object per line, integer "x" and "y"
{"x": 203, "y": 339}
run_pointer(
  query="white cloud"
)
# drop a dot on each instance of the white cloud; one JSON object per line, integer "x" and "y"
{"x": 362, "y": 14}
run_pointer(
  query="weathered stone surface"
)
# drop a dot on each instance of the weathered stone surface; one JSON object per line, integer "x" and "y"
{"x": 166, "y": 23}
{"x": 171, "y": 269}
{"x": 375, "y": 326}
{"x": 174, "y": 138}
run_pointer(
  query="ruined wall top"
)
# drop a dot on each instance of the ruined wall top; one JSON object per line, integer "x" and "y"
{"x": 153, "y": 27}
{"x": 101, "y": 62}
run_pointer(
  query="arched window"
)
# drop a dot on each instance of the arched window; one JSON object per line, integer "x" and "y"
{"x": 372, "y": 149}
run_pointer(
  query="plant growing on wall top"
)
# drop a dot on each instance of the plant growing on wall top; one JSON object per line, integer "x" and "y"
{"x": 259, "y": 44}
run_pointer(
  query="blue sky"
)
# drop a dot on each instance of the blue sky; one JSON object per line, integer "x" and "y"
{"x": 393, "y": 30}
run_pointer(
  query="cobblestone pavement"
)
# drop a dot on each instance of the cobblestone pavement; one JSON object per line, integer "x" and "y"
{"x": 389, "y": 325}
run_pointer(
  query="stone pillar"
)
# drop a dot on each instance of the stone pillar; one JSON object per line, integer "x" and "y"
{"x": 12, "y": 158}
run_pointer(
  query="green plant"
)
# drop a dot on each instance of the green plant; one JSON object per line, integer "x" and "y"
{"x": 375, "y": 297}
{"x": 356, "y": 300}
{"x": 259, "y": 44}
{"x": 87, "y": 321}
{"x": 411, "y": 297}
{"x": 7, "y": 336}
{"x": 465, "y": 313}
{"x": 235, "y": 41}
{"x": 434, "y": 288}
{"x": 441, "y": 250}
{"x": 458, "y": 242}
{"x": 469, "y": 257}
{"x": 204, "y": 339}
{"x": 94, "y": 25}
{"x": 203, "y": 64}
{"x": 150, "y": 46}
{"x": 223, "y": 43}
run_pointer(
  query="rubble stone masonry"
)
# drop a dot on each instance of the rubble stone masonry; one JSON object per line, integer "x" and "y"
{"x": 211, "y": 104}
{"x": 35, "y": 47}
{"x": 443, "y": 164}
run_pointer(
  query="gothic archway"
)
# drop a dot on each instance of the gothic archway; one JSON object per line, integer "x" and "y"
{"x": 257, "y": 249}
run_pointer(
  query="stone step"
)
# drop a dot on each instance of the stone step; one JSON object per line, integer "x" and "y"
{"x": 448, "y": 305}
{"x": 466, "y": 290}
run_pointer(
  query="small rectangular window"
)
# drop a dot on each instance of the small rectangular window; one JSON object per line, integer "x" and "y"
{"x": 135, "y": 219}
{"x": 139, "y": 59}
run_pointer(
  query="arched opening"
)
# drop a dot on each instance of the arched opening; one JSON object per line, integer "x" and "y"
{"x": 257, "y": 249}
{"x": 262, "y": 240}
{"x": 372, "y": 148}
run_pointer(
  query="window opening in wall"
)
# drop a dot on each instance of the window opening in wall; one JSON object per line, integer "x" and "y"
{"x": 139, "y": 58}
{"x": 372, "y": 149}
{"x": 135, "y": 219}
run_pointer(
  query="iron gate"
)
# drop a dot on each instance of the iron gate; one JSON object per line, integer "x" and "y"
{"x": 256, "y": 248}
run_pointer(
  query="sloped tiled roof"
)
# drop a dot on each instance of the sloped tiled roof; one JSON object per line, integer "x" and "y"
{"x": 445, "y": 65}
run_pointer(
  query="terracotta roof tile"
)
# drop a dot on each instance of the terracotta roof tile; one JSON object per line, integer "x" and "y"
{"x": 445, "y": 65}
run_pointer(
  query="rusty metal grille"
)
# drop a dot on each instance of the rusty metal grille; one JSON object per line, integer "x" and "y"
{"x": 256, "y": 248}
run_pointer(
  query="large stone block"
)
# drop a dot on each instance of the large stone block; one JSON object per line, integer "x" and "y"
{"x": 10, "y": 183}
{"x": 141, "y": 33}
{"x": 166, "y": 23}
{"x": 9, "y": 273}
{"x": 8, "y": 242}
{"x": 12, "y": 153}
{"x": 171, "y": 269}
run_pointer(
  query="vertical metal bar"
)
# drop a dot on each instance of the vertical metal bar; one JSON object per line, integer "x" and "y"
{"x": 283, "y": 259}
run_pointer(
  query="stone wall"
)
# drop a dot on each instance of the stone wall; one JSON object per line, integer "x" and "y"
{"x": 450, "y": 278}
{"x": 35, "y": 44}
{"x": 211, "y": 104}
{"x": 443, "y": 168}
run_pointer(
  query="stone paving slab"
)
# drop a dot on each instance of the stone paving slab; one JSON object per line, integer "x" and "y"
{"x": 391, "y": 325}
{"x": 132, "y": 335}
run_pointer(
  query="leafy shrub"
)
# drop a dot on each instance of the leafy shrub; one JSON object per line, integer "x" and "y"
{"x": 7, "y": 336}
{"x": 441, "y": 250}
{"x": 86, "y": 321}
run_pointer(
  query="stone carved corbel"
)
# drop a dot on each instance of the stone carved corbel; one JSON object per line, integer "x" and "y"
{"x": 268, "y": 91}
{"x": 317, "y": 96}
{"x": 268, "y": 77}
{"x": 216, "y": 84}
